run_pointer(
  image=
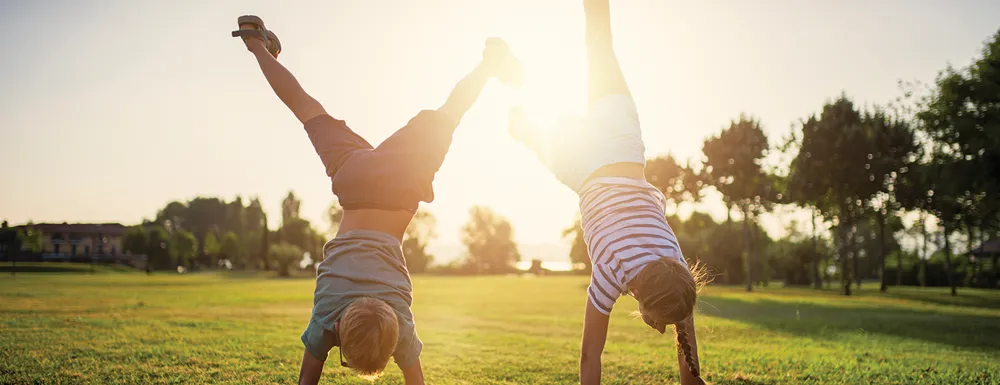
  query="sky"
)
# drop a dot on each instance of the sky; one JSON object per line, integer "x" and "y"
{"x": 111, "y": 109}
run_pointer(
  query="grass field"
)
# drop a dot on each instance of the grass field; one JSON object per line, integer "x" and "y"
{"x": 132, "y": 328}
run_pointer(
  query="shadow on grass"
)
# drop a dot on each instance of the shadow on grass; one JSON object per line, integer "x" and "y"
{"x": 264, "y": 275}
{"x": 818, "y": 321}
{"x": 966, "y": 298}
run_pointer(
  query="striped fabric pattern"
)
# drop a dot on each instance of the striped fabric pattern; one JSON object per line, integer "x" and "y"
{"x": 625, "y": 228}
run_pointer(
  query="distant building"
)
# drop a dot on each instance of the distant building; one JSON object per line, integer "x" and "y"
{"x": 81, "y": 240}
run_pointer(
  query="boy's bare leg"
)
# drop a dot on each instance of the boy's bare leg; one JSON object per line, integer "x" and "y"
{"x": 465, "y": 93}
{"x": 497, "y": 62}
{"x": 283, "y": 82}
{"x": 604, "y": 74}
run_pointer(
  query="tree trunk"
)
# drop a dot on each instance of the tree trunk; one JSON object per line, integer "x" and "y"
{"x": 856, "y": 261}
{"x": 759, "y": 265}
{"x": 748, "y": 264}
{"x": 829, "y": 277}
{"x": 968, "y": 250}
{"x": 845, "y": 277}
{"x": 200, "y": 253}
{"x": 899, "y": 268}
{"x": 729, "y": 230}
{"x": 983, "y": 237}
{"x": 814, "y": 267}
{"x": 996, "y": 272}
{"x": 264, "y": 245}
{"x": 923, "y": 250}
{"x": 883, "y": 286}
{"x": 947, "y": 261}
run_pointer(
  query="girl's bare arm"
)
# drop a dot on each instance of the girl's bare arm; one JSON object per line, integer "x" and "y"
{"x": 595, "y": 334}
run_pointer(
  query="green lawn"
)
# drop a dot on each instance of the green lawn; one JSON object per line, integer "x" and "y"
{"x": 133, "y": 328}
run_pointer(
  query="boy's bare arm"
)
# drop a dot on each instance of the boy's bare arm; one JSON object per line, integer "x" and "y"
{"x": 413, "y": 375}
{"x": 312, "y": 369}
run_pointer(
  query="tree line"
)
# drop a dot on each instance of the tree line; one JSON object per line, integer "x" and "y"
{"x": 211, "y": 233}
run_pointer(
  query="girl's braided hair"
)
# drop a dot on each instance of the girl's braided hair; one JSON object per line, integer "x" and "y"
{"x": 667, "y": 291}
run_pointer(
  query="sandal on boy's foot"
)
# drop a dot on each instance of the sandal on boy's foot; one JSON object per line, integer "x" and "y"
{"x": 258, "y": 32}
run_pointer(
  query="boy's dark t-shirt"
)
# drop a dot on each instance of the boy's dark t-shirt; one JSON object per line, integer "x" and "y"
{"x": 362, "y": 264}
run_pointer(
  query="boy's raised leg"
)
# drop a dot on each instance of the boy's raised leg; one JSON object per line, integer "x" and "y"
{"x": 604, "y": 74}
{"x": 284, "y": 84}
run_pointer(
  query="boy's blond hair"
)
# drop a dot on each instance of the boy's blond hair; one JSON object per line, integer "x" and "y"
{"x": 666, "y": 291}
{"x": 368, "y": 332}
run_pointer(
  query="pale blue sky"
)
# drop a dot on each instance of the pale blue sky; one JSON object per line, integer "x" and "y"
{"x": 109, "y": 109}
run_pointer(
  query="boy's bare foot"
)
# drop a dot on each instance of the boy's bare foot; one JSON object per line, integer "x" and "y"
{"x": 502, "y": 62}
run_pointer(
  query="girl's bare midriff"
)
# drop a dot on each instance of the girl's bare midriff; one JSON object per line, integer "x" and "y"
{"x": 621, "y": 170}
{"x": 392, "y": 222}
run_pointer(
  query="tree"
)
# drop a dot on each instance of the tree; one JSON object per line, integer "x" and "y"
{"x": 285, "y": 255}
{"x": 335, "y": 214}
{"x": 834, "y": 162}
{"x": 677, "y": 183}
{"x": 297, "y": 231}
{"x": 136, "y": 240}
{"x": 294, "y": 229}
{"x": 418, "y": 233}
{"x": 912, "y": 188}
{"x": 793, "y": 257}
{"x": 949, "y": 202}
{"x": 578, "y": 253}
{"x": 799, "y": 189}
{"x": 961, "y": 118}
{"x": 8, "y": 240}
{"x": 317, "y": 247}
{"x": 204, "y": 215}
{"x": 158, "y": 247}
{"x": 708, "y": 242}
{"x": 290, "y": 207}
{"x": 489, "y": 239}
{"x": 230, "y": 248}
{"x": 253, "y": 222}
{"x": 235, "y": 217}
{"x": 265, "y": 242}
{"x": 734, "y": 166}
{"x": 30, "y": 238}
{"x": 211, "y": 248}
{"x": 172, "y": 215}
{"x": 911, "y": 192}
{"x": 183, "y": 247}
{"x": 895, "y": 150}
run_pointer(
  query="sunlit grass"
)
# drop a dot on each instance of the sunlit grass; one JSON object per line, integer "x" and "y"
{"x": 132, "y": 328}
